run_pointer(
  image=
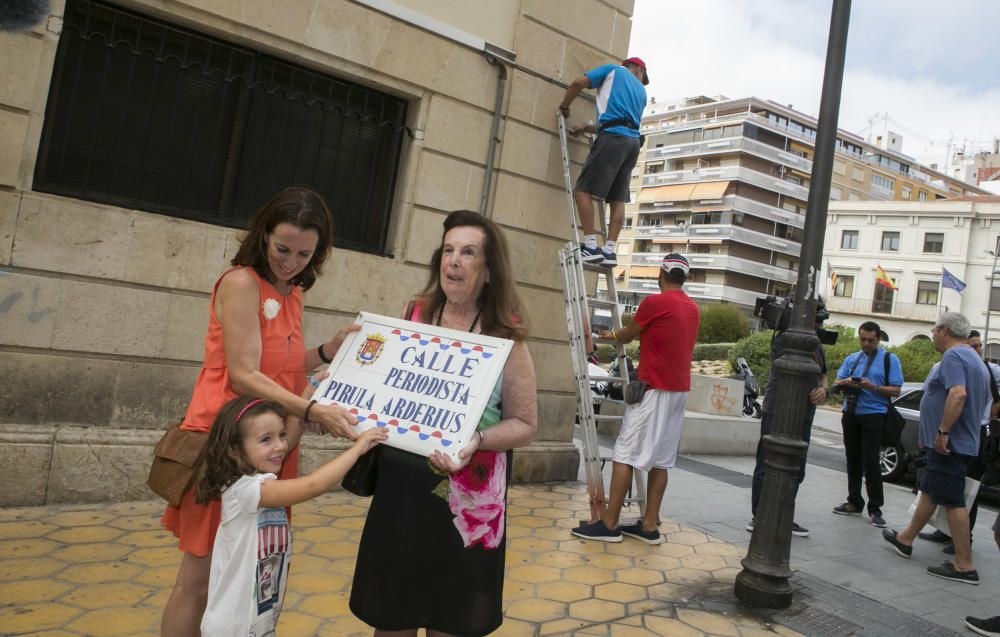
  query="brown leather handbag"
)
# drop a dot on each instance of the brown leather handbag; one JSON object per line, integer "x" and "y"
{"x": 174, "y": 457}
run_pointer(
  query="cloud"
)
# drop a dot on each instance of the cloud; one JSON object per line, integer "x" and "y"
{"x": 932, "y": 71}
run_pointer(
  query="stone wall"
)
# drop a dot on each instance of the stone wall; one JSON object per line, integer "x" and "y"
{"x": 104, "y": 309}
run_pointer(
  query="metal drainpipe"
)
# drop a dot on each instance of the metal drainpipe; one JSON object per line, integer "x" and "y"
{"x": 494, "y": 131}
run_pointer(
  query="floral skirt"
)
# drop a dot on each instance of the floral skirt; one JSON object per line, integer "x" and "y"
{"x": 433, "y": 548}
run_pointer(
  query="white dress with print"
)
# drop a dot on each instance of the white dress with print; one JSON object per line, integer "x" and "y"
{"x": 249, "y": 564}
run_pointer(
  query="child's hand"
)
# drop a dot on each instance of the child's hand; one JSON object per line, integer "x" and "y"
{"x": 370, "y": 438}
{"x": 314, "y": 382}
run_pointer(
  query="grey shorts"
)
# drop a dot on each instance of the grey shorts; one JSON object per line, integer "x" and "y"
{"x": 608, "y": 169}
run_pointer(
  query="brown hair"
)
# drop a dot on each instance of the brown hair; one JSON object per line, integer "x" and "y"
{"x": 304, "y": 209}
{"x": 501, "y": 307}
{"x": 222, "y": 460}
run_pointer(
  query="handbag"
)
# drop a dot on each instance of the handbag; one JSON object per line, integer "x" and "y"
{"x": 894, "y": 421}
{"x": 360, "y": 478}
{"x": 634, "y": 391}
{"x": 174, "y": 457}
{"x": 939, "y": 519}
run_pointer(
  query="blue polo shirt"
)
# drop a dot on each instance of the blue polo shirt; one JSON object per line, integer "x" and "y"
{"x": 619, "y": 96}
{"x": 960, "y": 365}
{"x": 870, "y": 402}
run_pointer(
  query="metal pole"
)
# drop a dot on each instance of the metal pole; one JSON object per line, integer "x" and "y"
{"x": 763, "y": 583}
{"x": 989, "y": 298}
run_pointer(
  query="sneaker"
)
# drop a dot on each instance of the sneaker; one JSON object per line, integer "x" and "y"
{"x": 936, "y": 536}
{"x": 590, "y": 254}
{"x": 750, "y": 525}
{"x": 799, "y": 531}
{"x": 597, "y": 531}
{"x": 609, "y": 258}
{"x": 902, "y": 549}
{"x": 846, "y": 509}
{"x": 877, "y": 520}
{"x": 988, "y": 626}
{"x": 948, "y": 571}
{"x": 636, "y": 531}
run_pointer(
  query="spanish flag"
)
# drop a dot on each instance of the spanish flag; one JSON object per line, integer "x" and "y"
{"x": 883, "y": 278}
{"x": 833, "y": 275}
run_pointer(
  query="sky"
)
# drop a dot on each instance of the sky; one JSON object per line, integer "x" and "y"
{"x": 933, "y": 67}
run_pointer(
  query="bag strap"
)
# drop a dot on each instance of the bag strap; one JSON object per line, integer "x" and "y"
{"x": 408, "y": 313}
{"x": 885, "y": 360}
{"x": 993, "y": 383}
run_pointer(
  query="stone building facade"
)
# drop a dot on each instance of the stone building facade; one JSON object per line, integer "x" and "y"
{"x": 104, "y": 307}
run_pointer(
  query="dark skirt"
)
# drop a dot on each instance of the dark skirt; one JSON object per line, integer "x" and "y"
{"x": 413, "y": 570}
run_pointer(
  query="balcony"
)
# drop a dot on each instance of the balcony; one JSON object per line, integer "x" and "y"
{"x": 697, "y": 291}
{"x": 896, "y": 310}
{"x": 743, "y": 144}
{"x": 723, "y": 262}
{"x": 694, "y": 232}
{"x": 718, "y": 173}
{"x": 734, "y": 203}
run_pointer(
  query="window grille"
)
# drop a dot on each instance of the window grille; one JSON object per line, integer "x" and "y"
{"x": 146, "y": 115}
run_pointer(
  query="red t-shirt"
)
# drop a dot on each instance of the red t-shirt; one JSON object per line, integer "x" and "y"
{"x": 669, "y": 323}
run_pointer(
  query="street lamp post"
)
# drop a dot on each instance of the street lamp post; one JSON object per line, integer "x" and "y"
{"x": 763, "y": 583}
{"x": 989, "y": 297}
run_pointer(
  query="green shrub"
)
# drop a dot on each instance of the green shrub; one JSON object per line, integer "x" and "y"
{"x": 722, "y": 323}
{"x": 711, "y": 351}
{"x": 917, "y": 357}
{"x": 756, "y": 349}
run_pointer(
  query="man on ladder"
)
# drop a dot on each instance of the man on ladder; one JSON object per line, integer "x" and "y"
{"x": 621, "y": 98}
{"x": 667, "y": 327}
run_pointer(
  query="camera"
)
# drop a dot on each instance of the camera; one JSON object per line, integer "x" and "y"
{"x": 777, "y": 315}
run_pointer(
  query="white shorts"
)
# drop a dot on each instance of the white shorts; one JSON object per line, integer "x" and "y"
{"x": 651, "y": 431}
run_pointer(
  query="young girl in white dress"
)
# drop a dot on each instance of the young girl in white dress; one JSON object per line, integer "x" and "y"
{"x": 244, "y": 451}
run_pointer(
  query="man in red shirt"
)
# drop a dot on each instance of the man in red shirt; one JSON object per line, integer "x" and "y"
{"x": 667, "y": 327}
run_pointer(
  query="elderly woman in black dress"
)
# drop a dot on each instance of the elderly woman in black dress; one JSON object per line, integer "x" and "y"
{"x": 433, "y": 547}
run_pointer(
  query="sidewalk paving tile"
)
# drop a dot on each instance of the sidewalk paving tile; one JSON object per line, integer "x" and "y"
{"x": 108, "y": 570}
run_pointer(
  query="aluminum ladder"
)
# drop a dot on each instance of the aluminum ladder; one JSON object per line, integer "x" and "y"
{"x": 579, "y": 305}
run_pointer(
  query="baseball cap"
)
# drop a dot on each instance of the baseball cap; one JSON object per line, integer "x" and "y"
{"x": 642, "y": 65}
{"x": 675, "y": 261}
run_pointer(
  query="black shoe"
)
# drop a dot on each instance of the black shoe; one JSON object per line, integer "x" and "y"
{"x": 902, "y": 549}
{"x": 988, "y": 626}
{"x": 936, "y": 536}
{"x": 597, "y": 531}
{"x": 948, "y": 571}
{"x": 846, "y": 509}
{"x": 799, "y": 531}
{"x": 639, "y": 533}
{"x": 877, "y": 520}
{"x": 949, "y": 548}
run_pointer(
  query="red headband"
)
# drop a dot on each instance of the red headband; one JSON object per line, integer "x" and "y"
{"x": 255, "y": 401}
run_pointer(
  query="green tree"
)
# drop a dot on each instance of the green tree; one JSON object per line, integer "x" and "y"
{"x": 722, "y": 323}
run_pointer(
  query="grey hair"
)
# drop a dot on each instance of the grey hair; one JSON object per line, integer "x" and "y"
{"x": 956, "y": 324}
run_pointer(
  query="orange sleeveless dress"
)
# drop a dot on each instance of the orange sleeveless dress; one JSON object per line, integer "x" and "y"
{"x": 283, "y": 360}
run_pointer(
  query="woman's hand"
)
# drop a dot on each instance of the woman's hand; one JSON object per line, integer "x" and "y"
{"x": 443, "y": 462}
{"x": 330, "y": 348}
{"x": 335, "y": 419}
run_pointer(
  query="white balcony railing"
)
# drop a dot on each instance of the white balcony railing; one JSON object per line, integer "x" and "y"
{"x": 735, "y": 203}
{"x": 897, "y": 310}
{"x": 720, "y": 231}
{"x": 718, "y": 173}
{"x": 723, "y": 262}
{"x": 731, "y": 144}
{"x": 697, "y": 291}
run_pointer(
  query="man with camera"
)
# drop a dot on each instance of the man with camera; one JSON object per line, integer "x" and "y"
{"x": 869, "y": 379}
{"x": 950, "y": 414}
{"x": 816, "y": 396}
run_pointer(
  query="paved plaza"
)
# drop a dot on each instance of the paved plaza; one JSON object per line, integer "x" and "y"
{"x": 107, "y": 570}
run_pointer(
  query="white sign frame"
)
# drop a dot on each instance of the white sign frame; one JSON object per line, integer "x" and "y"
{"x": 369, "y": 373}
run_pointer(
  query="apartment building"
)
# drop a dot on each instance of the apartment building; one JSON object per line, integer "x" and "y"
{"x": 913, "y": 243}
{"x": 726, "y": 182}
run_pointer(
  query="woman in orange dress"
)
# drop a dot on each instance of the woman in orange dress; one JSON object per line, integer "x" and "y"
{"x": 254, "y": 347}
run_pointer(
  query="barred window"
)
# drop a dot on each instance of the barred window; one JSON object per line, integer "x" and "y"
{"x": 146, "y": 115}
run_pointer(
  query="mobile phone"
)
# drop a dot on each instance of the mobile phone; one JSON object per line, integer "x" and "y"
{"x": 856, "y": 379}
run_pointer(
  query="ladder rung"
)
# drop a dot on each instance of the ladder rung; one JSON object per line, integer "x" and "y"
{"x": 607, "y": 418}
{"x": 609, "y": 379}
{"x": 601, "y": 303}
{"x": 605, "y": 341}
{"x": 596, "y": 267}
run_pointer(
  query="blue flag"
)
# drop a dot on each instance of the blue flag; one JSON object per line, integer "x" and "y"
{"x": 949, "y": 280}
